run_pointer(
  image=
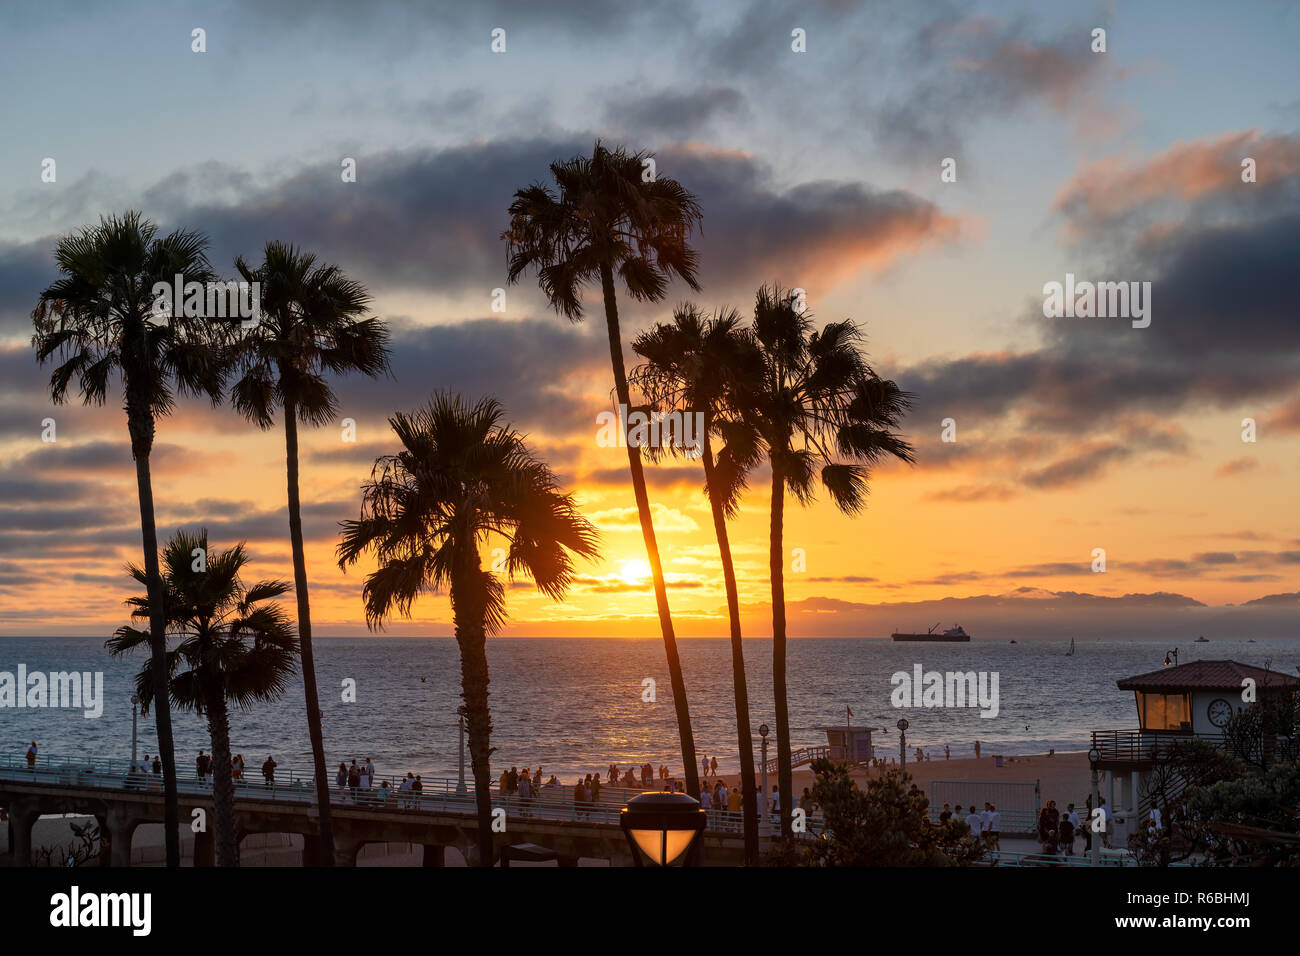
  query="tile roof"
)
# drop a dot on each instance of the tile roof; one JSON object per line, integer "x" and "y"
{"x": 1207, "y": 675}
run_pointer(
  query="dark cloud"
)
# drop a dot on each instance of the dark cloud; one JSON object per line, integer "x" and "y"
{"x": 657, "y": 476}
{"x": 672, "y": 113}
{"x": 529, "y": 365}
{"x": 431, "y": 220}
{"x": 1109, "y": 387}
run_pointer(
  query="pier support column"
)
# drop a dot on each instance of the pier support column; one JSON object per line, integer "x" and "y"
{"x": 22, "y": 817}
{"x": 205, "y": 849}
{"x": 345, "y": 851}
{"x": 310, "y": 849}
{"x": 435, "y": 855}
{"x": 121, "y": 828}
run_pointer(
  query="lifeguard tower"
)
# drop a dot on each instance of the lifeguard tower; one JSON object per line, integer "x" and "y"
{"x": 847, "y": 744}
{"x": 1183, "y": 702}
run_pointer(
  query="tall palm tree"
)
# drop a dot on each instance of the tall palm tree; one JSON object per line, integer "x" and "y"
{"x": 97, "y": 318}
{"x": 463, "y": 476}
{"x": 701, "y": 365}
{"x": 311, "y": 324}
{"x": 233, "y": 646}
{"x": 822, "y": 413}
{"x": 604, "y": 218}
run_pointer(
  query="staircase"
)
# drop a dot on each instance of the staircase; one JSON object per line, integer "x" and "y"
{"x": 798, "y": 758}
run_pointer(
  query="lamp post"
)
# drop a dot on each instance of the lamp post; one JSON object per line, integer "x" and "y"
{"x": 1174, "y": 655}
{"x": 902, "y": 742}
{"x": 663, "y": 827}
{"x": 134, "y": 702}
{"x": 763, "y": 821}
{"x": 460, "y": 723}
{"x": 1094, "y": 758}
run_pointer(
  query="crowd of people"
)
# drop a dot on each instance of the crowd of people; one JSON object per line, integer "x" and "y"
{"x": 985, "y": 825}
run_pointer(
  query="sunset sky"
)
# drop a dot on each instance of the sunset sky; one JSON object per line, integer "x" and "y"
{"x": 819, "y": 170}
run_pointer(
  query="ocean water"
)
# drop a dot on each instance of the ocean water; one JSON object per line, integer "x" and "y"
{"x": 576, "y": 705}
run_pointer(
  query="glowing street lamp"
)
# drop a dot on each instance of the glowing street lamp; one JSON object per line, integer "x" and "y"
{"x": 663, "y": 827}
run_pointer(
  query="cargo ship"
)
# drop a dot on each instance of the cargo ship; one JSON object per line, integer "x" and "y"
{"x": 955, "y": 634}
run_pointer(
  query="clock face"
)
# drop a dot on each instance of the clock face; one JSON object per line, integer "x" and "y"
{"x": 1220, "y": 712}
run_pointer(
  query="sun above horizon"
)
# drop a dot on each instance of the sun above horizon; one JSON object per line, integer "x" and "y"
{"x": 634, "y": 572}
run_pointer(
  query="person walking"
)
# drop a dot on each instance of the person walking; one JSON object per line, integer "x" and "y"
{"x": 993, "y": 834}
{"x": 268, "y": 771}
{"x": 713, "y": 765}
{"x": 31, "y": 756}
{"x": 704, "y": 766}
{"x": 1065, "y": 835}
{"x": 525, "y": 794}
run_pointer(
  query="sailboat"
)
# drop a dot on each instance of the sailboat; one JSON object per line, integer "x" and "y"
{"x": 1070, "y": 652}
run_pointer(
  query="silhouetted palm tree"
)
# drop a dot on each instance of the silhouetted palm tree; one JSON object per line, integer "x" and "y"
{"x": 699, "y": 365}
{"x": 462, "y": 477}
{"x": 310, "y": 326}
{"x": 98, "y": 318}
{"x": 233, "y": 646}
{"x": 608, "y": 217}
{"x": 822, "y": 414}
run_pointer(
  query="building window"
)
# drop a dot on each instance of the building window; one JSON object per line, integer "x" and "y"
{"x": 1164, "y": 711}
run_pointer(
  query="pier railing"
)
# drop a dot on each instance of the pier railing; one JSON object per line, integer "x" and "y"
{"x": 438, "y": 794}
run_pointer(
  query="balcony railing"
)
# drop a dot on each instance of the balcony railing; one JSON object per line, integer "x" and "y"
{"x": 1143, "y": 746}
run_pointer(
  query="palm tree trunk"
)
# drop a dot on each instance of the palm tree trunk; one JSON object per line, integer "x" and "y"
{"x": 776, "y": 564}
{"x": 141, "y": 426}
{"x": 744, "y": 735}
{"x": 325, "y": 856}
{"x": 467, "y": 611}
{"x": 223, "y": 782}
{"x": 680, "y": 704}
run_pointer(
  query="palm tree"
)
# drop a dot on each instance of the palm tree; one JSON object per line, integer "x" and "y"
{"x": 98, "y": 319}
{"x": 821, "y": 413}
{"x": 699, "y": 365}
{"x": 310, "y": 325}
{"x": 233, "y": 647}
{"x": 606, "y": 217}
{"x": 426, "y": 512}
